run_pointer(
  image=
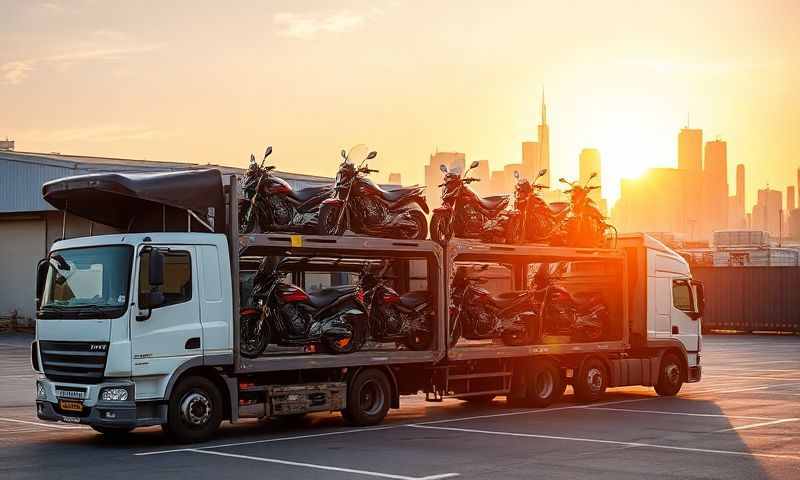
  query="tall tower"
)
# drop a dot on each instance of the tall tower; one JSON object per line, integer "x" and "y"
{"x": 589, "y": 163}
{"x": 790, "y": 199}
{"x": 715, "y": 185}
{"x": 544, "y": 143}
{"x": 690, "y": 149}
{"x": 740, "y": 187}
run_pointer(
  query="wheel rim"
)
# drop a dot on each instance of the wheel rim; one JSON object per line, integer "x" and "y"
{"x": 413, "y": 232}
{"x": 196, "y": 409}
{"x": 372, "y": 398}
{"x": 545, "y": 384}
{"x": 594, "y": 379}
{"x": 672, "y": 373}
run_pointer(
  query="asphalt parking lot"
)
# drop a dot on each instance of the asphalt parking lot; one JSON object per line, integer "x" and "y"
{"x": 741, "y": 421}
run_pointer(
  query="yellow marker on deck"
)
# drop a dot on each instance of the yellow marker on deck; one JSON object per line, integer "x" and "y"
{"x": 297, "y": 240}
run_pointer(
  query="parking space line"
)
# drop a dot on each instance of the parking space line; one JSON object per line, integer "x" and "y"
{"x": 756, "y": 425}
{"x": 370, "y": 429}
{"x": 63, "y": 427}
{"x": 323, "y": 467}
{"x": 659, "y": 412}
{"x": 612, "y": 442}
{"x": 270, "y": 440}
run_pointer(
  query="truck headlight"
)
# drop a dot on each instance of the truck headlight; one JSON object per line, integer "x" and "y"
{"x": 114, "y": 394}
{"x": 41, "y": 393}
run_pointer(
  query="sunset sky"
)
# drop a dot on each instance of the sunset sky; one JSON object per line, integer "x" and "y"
{"x": 213, "y": 81}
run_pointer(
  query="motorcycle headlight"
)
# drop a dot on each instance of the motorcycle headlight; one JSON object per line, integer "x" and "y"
{"x": 114, "y": 394}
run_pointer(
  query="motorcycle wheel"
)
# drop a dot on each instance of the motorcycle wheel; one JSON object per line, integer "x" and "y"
{"x": 344, "y": 345}
{"x": 246, "y": 225}
{"x": 420, "y": 231}
{"x": 252, "y": 343}
{"x": 328, "y": 215}
{"x": 439, "y": 229}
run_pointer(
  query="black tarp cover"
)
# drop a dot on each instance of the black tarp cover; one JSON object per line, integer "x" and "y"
{"x": 142, "y": 201}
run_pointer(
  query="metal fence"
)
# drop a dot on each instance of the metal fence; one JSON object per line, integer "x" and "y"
{"x": 751, "y": 298}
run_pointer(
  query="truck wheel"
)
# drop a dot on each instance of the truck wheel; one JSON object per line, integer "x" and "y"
{"x": 591, "y": 381}
{"x": 194, "y": 411}
{"x": 368, "y": 398}
{"x": 112, "y": 433}
{"x": 545, "y": 385}
{"x": 670, "y": 380}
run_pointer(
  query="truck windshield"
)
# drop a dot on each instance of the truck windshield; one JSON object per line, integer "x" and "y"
{"x": 87, "y": 283}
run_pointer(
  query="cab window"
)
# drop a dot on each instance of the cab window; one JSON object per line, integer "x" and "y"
{"x": 177, "y": 286}
{"x": 682, "y": 295}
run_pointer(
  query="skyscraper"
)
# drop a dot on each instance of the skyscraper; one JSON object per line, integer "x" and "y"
{"x": 536, "y": 155}
{"x": 715, "y": 186}
{"x": 544, "y": 143}
{"x": 690, "y": 149}
{"x": 740, "y": 187}
{"x": 790, "y": 198}
{"x": 767, "y": 212}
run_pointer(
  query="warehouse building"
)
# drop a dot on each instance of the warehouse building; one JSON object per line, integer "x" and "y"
{"x": 29, "y": 225}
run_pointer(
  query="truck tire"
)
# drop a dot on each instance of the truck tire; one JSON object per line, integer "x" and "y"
{"x": 670, "y": 380}
{"x": 545, "y": 384}
{"x": 112, "y": 433}
{"x": 368, "y": 397}
{"x": 194, "y": 411}
{"x": 591, "y": 381}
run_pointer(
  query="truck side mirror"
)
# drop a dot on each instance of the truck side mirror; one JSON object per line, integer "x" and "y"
{"x": 700, "y": 294}
{"x": 155, "y": 277}
{"x": 41, "y": 277}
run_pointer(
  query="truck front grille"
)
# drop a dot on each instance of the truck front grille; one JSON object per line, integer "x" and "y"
{"x": 75, "y": 362}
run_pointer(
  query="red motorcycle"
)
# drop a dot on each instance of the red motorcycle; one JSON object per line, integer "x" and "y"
{"x": 583, "y": 224}
{"x": 272, "y": 204}
{"x": 530, "y": 220}
{"x": 361, "y": 206}
{"x": 463, "y": 213}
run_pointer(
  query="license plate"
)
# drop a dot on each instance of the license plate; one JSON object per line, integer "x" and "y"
{"x": 70, "y": 406}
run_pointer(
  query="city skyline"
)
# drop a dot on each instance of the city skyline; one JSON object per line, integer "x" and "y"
{"x": 83, "y": 78}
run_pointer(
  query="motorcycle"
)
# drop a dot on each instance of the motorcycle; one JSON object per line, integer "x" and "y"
{"x": 583, "y": 224}
{"x": 476, "y": 314}
{"x": 582, "y": 316}
{"x": 463, "y": 213}
{"x": 407, "y": 319}
{"x": 286, "y": 315}
{"x": 272, "y": 204}
{"x": 359, "y": 205}
{"x": 530, "y": 219}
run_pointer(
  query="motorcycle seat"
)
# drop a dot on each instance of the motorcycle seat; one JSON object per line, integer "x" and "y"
{"x": 398, "y": 194}
{"x": 497, "y": 202}
{"x": 326, "y": 296}
{"x": 414, "y": 298}
{"x": 305, "y": 194}
{"x": 506, "y": 299}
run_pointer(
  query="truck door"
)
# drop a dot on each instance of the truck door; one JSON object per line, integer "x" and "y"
{"x": 683, "y": 317}
{"x": 166, "y": 336}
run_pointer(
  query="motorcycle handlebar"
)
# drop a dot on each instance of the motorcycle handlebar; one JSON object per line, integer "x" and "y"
{"x": 369, "y": 170}
{"x": 471, "y": 179}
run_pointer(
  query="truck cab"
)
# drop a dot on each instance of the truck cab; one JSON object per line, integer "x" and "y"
{"x": 120, "y": 316}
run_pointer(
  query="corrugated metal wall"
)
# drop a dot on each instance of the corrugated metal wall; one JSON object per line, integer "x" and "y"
{"x": 21, "y": 185}
{"x": 751, "y": 298}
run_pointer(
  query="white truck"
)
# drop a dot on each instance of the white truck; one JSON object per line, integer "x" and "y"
{"x": 141, "y": 328}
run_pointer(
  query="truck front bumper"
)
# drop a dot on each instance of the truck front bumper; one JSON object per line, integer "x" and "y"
{"x": 126, "y": 414}
{"x": 118, "y": 415}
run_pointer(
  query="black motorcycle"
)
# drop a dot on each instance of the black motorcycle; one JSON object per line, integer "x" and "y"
{"x": 406, "y": 319}
{"x": 272, "y": 204}
{"x": 361, "y": 206}
{"x": 286, "y": 315}
{"x": 463, "y": 213}
{"x": 476, "y": 314}
{"x": 581, "y": 316}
